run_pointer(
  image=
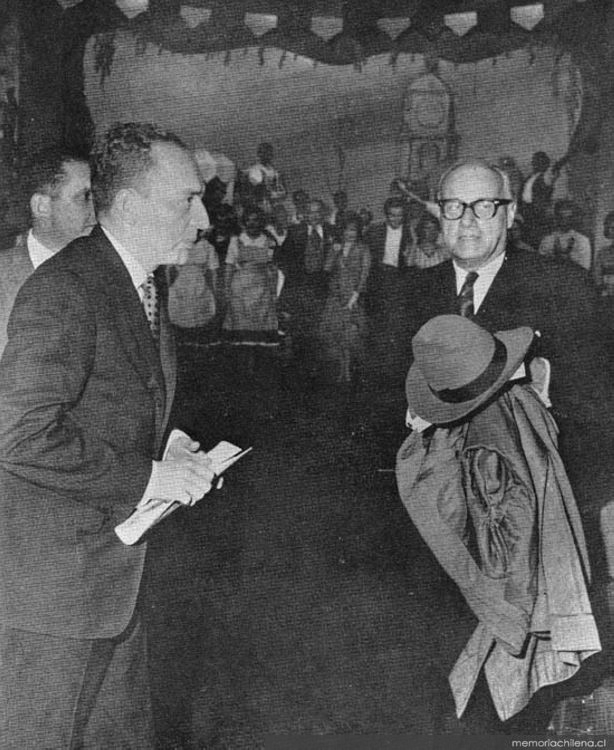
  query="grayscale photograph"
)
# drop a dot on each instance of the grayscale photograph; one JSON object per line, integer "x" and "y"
{"x": 306, "y": 374}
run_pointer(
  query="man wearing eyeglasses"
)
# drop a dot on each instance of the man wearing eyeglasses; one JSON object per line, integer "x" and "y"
{"x": 501, "y": 288}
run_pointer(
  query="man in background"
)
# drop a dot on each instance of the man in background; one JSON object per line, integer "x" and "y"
{"x": 565, "y": 243}
{"x": 389, "y": 242}
{"x": 86, "y": 387}
{"x": 301, "y": 260}
{"x": 57, "y": 188}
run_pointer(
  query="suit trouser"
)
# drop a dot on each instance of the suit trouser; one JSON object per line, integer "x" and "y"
{"x": 60, "y": 693}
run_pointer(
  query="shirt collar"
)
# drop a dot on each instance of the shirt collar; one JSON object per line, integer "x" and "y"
{"x": 38, "y": 252}
{"x": 486, "y": 273}
{"x": 137, "y": 273}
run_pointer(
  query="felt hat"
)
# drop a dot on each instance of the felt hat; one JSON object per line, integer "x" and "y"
{"x": 458, "y": 366}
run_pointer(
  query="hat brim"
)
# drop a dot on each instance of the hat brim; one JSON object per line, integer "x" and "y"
{"x": 424, "y": 403}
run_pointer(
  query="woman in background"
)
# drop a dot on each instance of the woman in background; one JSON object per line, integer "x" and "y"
{"x": 343, "y": 325}
{"x": 192, "y": 303}
{"x": 428, "y": 250}
{"x": 251, "y": 287}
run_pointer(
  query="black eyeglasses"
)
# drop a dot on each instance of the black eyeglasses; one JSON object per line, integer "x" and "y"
{"x": 483, "y": 208}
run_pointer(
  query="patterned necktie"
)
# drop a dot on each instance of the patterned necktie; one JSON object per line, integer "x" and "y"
{"x": 465, "y": 296}
{"x": 151, "y": 306}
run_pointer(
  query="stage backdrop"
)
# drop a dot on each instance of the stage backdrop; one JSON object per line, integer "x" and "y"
{"x": 334, "y": 126}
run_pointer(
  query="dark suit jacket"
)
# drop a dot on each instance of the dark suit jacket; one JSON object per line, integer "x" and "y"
{"x": 291, "y": 257}
{"x": 380, "y": 295}
{"x": 84, "y": 402}
{"x": 15, "y": 267}
{"x": 376, "y": 240}
{"x": 556, "y": 299}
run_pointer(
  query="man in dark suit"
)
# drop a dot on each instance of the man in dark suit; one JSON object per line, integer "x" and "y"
{"x": 388, "y": 242}
{"x": 503, "y": 288}
{"x": 57, "y": 186}
{"x": 301, "y": 260}
{"x": 86, "y": 386}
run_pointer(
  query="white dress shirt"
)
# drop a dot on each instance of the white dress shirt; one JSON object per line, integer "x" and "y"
{"x": 137, "y": 273}
{"x": 38, "y": 252}
{"x": 392, "y": 247}
{"x": 486, "y": 275}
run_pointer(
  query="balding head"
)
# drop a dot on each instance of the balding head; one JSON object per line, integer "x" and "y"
{"x": 474, "y": 241}
{"x": 477, "y": 166}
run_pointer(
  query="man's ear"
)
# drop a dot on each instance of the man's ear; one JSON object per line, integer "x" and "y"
{"x": 40, "y": 206}
{"x": 126, "y": 205}
{"x": 511, "y": 213}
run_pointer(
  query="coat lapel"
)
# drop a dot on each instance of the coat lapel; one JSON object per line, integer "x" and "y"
{"x": 133, "y": 329}
{"x": 447, "y": 288}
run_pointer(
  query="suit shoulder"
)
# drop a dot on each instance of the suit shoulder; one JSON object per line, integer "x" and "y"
{"x": 545, "y": 269}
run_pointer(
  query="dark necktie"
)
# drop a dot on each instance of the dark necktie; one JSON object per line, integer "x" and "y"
{"x": 151, "y": 306}
{"x": 465, "y": 296}
{"x": 313, "y": 253}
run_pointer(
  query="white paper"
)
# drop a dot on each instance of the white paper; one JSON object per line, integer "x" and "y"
{"x": 152, "y": 510}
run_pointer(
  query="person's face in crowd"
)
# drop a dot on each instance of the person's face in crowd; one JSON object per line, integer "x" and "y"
{"x": 340, "y": 201}
{"x": 266, "y": 154}
{"x": 253, "y": 224}
{"x": 70, "y": 209}
{"x": 472, "y": 241}
{"x": 301, "y": 202}
{"x": 350, "y": 234}
{"x": 314, "y": 214}
{"x": 540, "y": 161}
{"x": 170, "y": 210}
{"x": 430, "y": 231}
{"x": 395, "y": 217}
{"x": 366, "y": 216}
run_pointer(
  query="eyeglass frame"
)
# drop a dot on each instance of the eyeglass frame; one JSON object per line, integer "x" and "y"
{"x": 497, "y": 202}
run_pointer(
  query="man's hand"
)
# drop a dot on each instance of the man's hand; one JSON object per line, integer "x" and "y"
{"x": 184, "y": 476}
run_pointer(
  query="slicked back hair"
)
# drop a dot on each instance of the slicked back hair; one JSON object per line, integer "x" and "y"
{"x": 122, "y": 157}
{"x": 506, "y": 185}
{"x": 394, "y": 202}
{"x": 45, "y": 171}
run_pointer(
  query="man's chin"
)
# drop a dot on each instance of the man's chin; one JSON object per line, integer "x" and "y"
{"x": 180, "y": 254}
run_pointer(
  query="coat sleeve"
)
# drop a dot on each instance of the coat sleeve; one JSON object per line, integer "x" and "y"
{"x": 46, "y": 437}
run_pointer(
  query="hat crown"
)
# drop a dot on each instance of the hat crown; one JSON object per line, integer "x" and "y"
{"x": 441, "y": 350}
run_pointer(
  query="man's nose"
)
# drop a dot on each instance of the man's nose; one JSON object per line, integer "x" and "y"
{"x": 468, "y": 217}
{"x": 199, "y": 217}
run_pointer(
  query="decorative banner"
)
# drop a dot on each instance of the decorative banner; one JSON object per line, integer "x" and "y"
{"x": 194, "y": 16}
{"x": 528, "y": 16}
{"x": 326, "y": 27}
{"x": 260, "y": 23}
{"x": 461, "y": 23}
{"x": 132, "y": 8}
{"x": 393, "y": 26}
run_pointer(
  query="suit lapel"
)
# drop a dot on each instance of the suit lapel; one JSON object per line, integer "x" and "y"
{"x": 501, "y": 293}
{"x": 167, "y": 359}
{"x": 447, "y": 288}
{"x": 132, "y": 326}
